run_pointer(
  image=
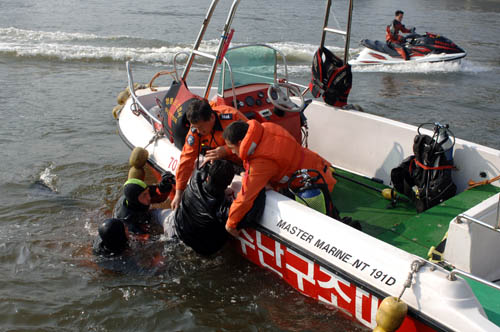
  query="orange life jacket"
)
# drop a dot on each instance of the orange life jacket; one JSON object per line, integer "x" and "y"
{"x": 194, "y": 143}
{"x": 271, "y": 155}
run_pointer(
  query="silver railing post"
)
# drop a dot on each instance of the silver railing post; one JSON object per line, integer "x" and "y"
{"x": 200, "y": 38}
{"x": 223, "y": 39}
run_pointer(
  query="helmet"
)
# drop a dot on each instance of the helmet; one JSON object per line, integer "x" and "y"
{"x": 113, "y": 236}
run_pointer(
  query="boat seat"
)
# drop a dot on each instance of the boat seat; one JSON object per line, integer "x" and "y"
{"x": 379, "y": 46}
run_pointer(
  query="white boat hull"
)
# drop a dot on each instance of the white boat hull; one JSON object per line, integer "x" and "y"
{"x": 326, "y": 259}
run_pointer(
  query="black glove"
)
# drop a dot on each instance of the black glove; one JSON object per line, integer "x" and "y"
{"x": 412, "y": 30}
{"x": 166, "y": 183}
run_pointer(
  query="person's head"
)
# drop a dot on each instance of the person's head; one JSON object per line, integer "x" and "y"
{"x": 399, "y": 15}
{"x": 220, "y": 175}
{"x": 113, "y": 236}
{"x": 137, "y": 193}
{"x": 234, "y": 134}
{"x": 201, "y": 116}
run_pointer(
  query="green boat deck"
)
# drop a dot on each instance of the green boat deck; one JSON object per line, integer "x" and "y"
{"x": 402, "y": 227}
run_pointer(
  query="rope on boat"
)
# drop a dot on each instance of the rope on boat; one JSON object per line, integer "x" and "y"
{"x": 392, "y": 311}
{"x": 157, "y": 135}
{"x": 473, "y": 184}
{"x": 415, "y": 266}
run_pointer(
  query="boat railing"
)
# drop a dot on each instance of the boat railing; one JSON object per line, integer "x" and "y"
{"x": 135, "y": 99}
{"x": 222, "y": 41}
{"x": 452, "y": 276}
{"x": 463, "y": 218}
{"x": 346, "y": 33}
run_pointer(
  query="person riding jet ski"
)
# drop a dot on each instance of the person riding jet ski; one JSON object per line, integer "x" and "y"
{"x": 392, "y": 36}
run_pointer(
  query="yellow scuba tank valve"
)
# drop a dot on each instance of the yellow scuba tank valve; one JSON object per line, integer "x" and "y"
{"x": 390, "y": 315}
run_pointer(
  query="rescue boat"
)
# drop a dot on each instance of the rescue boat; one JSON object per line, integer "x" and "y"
{"x": 322, "y": 257}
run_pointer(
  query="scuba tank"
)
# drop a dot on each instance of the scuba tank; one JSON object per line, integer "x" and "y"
{"x": 310, "y": 192}
{"x": 425, "y": 177}
{"x": 308, "y": 187}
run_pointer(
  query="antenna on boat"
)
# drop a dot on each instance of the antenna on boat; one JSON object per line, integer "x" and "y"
{"x": 346, "y": 33}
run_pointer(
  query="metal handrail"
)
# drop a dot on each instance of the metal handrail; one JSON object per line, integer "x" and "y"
{"x": 346, "y": 33}
{"x": 222, "y": 41}
{"x": 134, "y": 96}
{"x": 197, "y": 43}
{"x": 453, "y": 276}
{"x": 460, "y": 219}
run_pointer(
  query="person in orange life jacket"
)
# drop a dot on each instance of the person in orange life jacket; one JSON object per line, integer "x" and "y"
{"x": 392, "y": 36}
{"x": 205, "y": 136}
{"x": 134, "y": 206}
{"x": 271, "y": 155}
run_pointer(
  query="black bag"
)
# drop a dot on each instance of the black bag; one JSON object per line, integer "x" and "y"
{"x": 331, "y": 78}
{"x": 425, "y": 177}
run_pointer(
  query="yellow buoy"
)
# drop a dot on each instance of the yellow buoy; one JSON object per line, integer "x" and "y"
{"x": 116, "y": 110}
{"x": 122, "y": 97}
{"x": 136, "y": 173}
{"x": 138, "y": 157}
{"x": 390, "y": 315}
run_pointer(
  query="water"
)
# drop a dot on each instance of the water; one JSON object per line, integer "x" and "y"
{"x": 61, "y": 67}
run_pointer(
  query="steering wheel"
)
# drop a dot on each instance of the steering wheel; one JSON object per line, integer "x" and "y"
{"x": 281, "y": 100}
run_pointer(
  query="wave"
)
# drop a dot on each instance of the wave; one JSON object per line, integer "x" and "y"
{"x": 435, "y": 67}
{"x": 67, "y": 46}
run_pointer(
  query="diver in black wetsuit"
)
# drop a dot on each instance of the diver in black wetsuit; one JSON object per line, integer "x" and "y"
{"x": 134, "y": 206}
{"x": 200, "y": 219}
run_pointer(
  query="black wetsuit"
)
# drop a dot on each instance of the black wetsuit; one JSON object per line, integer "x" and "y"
{"x": 201, "y": 216}
{"x": 136, "y": 216}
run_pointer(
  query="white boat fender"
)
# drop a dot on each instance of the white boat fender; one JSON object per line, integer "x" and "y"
{"x": 392, "y": 311}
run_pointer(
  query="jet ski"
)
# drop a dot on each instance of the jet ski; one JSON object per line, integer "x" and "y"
{"x": 421, "y": 48}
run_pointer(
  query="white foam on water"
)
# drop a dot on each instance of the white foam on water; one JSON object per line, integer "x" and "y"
{"x": 48, "y": 178}
{"x": 424, "y": 67}
{"x": 67, "y": 46}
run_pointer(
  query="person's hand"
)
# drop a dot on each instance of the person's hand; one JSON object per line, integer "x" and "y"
{"x": 412, "y": 30}
{"x": 233, "y": 231}
{"x": 177, "y": 199}
{"x": 214, "y": 154}
{"x": 166, "y": 183}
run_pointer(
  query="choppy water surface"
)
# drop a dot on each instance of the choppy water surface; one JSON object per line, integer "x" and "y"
{"x": 61, "y": 67}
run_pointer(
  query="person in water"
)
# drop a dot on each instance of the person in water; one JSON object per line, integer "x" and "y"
{"x": 134, "y": 207}
{"x": 204, "y": 137}
{"x": 271, "y": 155}
{"x": 392, "y": 36}
{"x": 199, "y": 221}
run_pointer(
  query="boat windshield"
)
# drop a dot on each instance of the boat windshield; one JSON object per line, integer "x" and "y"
{"x": 249, "y": 65}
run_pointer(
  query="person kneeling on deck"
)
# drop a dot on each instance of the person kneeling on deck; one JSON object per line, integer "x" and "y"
{"x": 204, "y": 137}
{"x": 271, "y": 155}
{"x": 134, "y": 206}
